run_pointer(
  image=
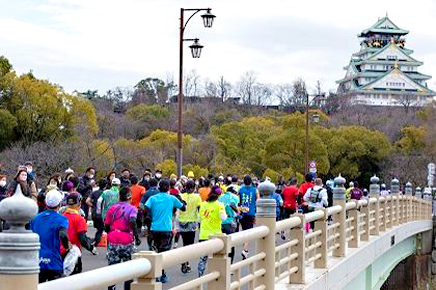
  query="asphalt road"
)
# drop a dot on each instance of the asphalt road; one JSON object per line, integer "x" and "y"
{"x": 176, "y": 277}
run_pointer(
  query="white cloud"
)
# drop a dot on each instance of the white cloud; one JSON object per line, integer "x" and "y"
{"x": 87, "y": 44}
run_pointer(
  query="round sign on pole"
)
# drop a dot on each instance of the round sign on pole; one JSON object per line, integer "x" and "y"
{"x": 312, "y": 164}
{"x": 312, "y": 170}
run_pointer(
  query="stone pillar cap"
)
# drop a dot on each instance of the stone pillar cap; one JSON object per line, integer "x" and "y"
{"x": 374, "y": 179}
{"x": 17, "y": 210}
{"x": 266, "y": 188}
{"x": 339, "y": 180}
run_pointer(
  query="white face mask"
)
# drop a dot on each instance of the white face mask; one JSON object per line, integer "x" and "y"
{"x": 91, "y": 176}
{"x": 3, "y": 183}
{"x": 29, "y": 170}
{"x": 158, "y": 175}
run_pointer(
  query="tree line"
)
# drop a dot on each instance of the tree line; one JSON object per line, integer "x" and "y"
{"x": 136, "y": 128}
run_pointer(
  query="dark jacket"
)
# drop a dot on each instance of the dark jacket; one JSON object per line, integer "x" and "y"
{"x": 3, "y": 190}
{"x": 27, "y": 188}
{"x": 85, "y": 188}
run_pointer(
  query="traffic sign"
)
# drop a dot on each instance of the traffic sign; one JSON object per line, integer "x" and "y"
{"x": 312, "y": 164}
{"x": 312, "y": 170}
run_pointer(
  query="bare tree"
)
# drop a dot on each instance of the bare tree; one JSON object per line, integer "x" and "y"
{"x": 299, "y": 90}
{"x": 224, "y": 89}
{"x": 210, "y": 89}
{"x": 407, "y": 101}
{"x": 171, "y": 87}
{"x": 191, "y": 84}
{"x": 284, "y": 92}
{"x": 262, "y": 94}
{"x": 246, "y": 87}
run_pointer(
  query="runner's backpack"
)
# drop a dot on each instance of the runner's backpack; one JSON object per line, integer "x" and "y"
{"x": 315, "y": 195}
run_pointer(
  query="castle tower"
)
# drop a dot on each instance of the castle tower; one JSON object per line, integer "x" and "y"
{"x": 383, "y": 72}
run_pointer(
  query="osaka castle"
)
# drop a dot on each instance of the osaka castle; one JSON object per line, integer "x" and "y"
{"x": 383, "y": 72}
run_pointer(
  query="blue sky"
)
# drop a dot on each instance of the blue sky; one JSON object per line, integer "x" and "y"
{"x": 101, "y": 44}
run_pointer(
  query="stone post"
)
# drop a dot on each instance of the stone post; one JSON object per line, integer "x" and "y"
{"x": 220, "y": 262}
{"x": 19, "y": 248}
{"x": 407, "y": 210}
{"x": 374, "y": 192}
{"x": 389, "y": 211}
{"x": 148, "y": 282}
{"x": 418, "y": 195}
{"x": 322, "y": 224}
{"x": 266, "y": 216}
{"x": 427, "y": 196}
{"x": 365, "y": 210}
{"x": 383, "y": 213}
{"x": 299, "y": 233}
{"x": 395, "y": 193}
{"x": 354, "y": 213}
{"x": 339, "y": 199}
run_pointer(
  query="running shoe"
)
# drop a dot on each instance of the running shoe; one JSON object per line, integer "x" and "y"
{"x": 244, "y": 254}
{"x": 164, "y": 278}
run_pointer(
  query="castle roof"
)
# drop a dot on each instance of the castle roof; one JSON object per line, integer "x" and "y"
{"x": 384, "y": 26}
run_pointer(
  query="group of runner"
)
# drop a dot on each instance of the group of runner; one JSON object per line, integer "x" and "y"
{"x": 164, "y": 209}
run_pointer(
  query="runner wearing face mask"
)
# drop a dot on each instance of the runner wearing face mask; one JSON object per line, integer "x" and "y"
{"x": 158, "y": 174}
{"x": 145, "y": 182}
{"x": 2, "y": 187}
{"x": 28, "y": 187}
{"x": 29, "y": 169}
{"x": 85, "y": 188}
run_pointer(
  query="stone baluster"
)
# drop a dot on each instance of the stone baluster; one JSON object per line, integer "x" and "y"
{"x": 220, "y": 262}
{"x": 419, "y": 196}
{"x": 374, "y": 192}
{"x": 355, "y": 232}
{"x": 395, "y": 193}
{"x": 339, "y": 199}
{"x": 366, "y": 218}
{"x": 148, "y": 282}
{"x": 299, "y": 233}
{"x": 266, "y": 216}
{"x": 19, "y": 248}
{"x": 322, "y": 225}
{"x": 408, "y": 195}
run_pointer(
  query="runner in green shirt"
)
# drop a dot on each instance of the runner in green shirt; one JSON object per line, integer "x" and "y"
{"x": 188, "y": 220}
{"x": 212, "y": 213}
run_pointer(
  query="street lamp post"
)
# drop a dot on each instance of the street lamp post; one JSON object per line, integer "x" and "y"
{"x": 196, "y": 52}
{"x": 306, "y": 147}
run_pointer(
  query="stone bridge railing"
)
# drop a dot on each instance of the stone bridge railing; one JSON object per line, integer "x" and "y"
{"x": 336, "y": 228}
